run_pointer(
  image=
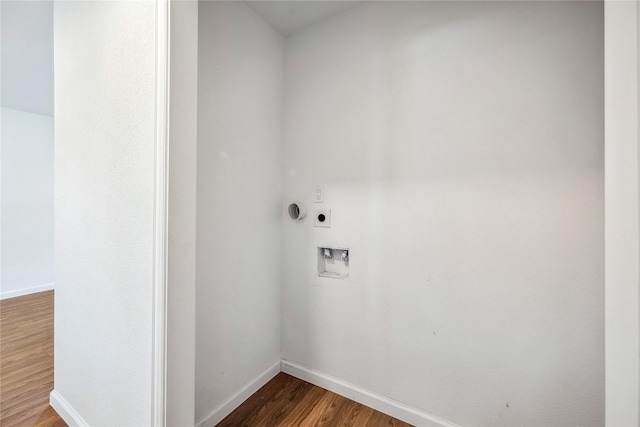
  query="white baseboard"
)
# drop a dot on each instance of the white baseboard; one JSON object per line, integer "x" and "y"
{"x": 379, "y": 403}
{"x": 227, "y": 407}
{"x": 66, "y": 411}
{"x": 26, "y": 291}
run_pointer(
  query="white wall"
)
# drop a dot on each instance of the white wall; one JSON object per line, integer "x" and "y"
{"x": 181, "y": 295}
{"x": 240, "y": 90}
{"x": 104, "y": 181}
{"x": 461, "y": 150}
{"x": 622, "y": 221}
{"x": 26, "y": 55}
{"x": 27, "y": 203}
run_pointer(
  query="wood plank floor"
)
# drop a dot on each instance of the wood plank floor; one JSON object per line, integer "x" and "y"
{"x": 289, "y": 401}
{"x": 26, "y": 379}
{"x": 26, "y": 361}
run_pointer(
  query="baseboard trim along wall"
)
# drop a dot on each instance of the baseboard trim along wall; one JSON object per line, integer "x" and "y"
{"x": 26, "y": 291}
{"x": 66, "y": 411}
{"x": 236, "y": 399}
{"x": 379, "y": 403}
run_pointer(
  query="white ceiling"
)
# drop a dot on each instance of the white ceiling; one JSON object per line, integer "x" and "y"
{"x": 26, "y": 55}
{"x": 290, "y": 16}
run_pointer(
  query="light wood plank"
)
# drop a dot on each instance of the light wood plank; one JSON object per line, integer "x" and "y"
{"x": 26, "y": 361}
{"x": 287, "y": 401}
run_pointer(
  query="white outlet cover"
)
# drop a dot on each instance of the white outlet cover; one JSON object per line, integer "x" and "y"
{"x": 318, "y": 195}
{"x": 322, "y": 218}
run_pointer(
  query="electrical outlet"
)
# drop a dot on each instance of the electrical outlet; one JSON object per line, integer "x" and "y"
{"x": 318, "y": 195}
{"x": 322, "y": 218}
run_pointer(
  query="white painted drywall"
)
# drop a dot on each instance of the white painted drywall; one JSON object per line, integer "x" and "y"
{"x": 27, "y": 203}
{"x": 181, "y": 294}
{"x": 240, "y": 89}
{"x": 26, "y": 55}
{"x": 460, "y": 146}
{"x": 622, "y": 248}
{"x": 104, "y": 185}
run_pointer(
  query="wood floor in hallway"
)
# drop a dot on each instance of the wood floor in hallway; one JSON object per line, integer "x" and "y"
{"x": 26, "y": 379}
{"x": 289, "y": 401}
{"x": 26, "y": 361}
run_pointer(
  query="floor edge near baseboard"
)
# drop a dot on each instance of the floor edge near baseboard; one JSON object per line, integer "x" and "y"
{"x": 237, "y": 398}
{"x": 27, "y": 291}
{"x": 65, "y": 410}
{"x": 378, "y": 402}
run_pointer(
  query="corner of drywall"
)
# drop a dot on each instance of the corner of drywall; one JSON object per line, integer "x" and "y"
{"x": 622, "y": 220}
{"x": 66, "y": 411}
{"x": 236, "y": 399}
{"x": 100, "y": 283}
{"x": 181, "y": 261}
{"x": 160, "y": 218}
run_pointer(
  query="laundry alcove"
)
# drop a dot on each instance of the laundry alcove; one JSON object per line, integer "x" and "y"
{"x": 459, "y": 146}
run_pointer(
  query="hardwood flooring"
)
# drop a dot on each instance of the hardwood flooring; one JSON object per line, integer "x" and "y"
{"x": 26, "y": 378}
{"x": 288, "y": 401}
{"x": 26, "y": 361}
